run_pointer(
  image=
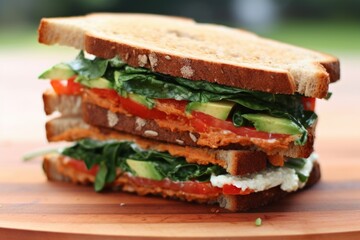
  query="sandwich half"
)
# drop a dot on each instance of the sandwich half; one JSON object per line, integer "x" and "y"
{"x": 167, "y": 106}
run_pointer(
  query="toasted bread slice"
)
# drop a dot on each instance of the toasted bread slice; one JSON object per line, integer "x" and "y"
{"x": 56, "y": 170}
{"x": 67, "y": 105}
{"x": 183, "y": 48}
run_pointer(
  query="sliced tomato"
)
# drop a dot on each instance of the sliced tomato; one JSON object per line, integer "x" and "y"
{"x": 308, "y": 103}
{"x": 80, "y": 166}
{"x": 233, "y": 190}
{"x": 195, "y": 187}
{"x": 203, "y": 121}
{"x": 67, "y": 87}
{"x": 199, "y": 125}
{"x": 129, "y": 105}
{"x": 139, "y": 110}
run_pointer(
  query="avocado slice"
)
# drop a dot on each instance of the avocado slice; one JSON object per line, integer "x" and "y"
{"x": 95, "y": 83}
{"x": 218, "y": 110}
{"x": 147, "y": 102}
{"x": 144, "y": 169}
{"x": 267, "y": 123}
{"x": 60, "y": 71}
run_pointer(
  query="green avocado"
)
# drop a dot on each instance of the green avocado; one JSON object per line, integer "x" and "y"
{"x": 144, "y": 169}
{"x": 95, "y": 83}
{"x": 147, "y": 102}
{"x": 218, "y": 110}
{"x": 60, "y": 71}
{"x": 267, "y": 123}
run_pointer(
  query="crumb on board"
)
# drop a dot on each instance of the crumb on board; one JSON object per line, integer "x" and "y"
{"x": 258, "y": 222}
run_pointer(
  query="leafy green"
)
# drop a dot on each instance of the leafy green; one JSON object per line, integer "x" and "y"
{"x": 111, "y": 155}
{"x": 100, "y": 179}
{"x": 297, "y": 164}
{"x": 87, "y": 68}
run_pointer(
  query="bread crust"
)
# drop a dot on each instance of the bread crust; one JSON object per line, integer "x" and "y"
{"x": 222, "y": 73}
{"x": 311, "y": 79}
{"x": 55, "y": 170}
{"x": 67, "y": 105}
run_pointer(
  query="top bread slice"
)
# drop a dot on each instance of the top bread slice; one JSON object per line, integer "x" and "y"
{"x": 183, "y": 48}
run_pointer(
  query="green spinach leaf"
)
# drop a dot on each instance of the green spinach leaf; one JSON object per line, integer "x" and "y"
{"x": 111, "y": 155}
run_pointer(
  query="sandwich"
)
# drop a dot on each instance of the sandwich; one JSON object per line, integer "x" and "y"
{"x": 167, "y": 106}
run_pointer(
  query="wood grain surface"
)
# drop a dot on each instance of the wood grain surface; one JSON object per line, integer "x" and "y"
{"x": 32, "y": 207}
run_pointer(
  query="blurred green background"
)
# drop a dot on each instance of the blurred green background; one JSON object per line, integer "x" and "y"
{"x": 326, "y": 25}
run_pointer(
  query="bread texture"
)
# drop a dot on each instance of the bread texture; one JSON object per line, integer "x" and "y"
{"x": 183, "y": 48}
{"x": 67, "y": 105}
{"x": 56, "y": 169}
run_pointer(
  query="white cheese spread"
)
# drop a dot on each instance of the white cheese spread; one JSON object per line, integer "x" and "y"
{"x": 284, "y": 177}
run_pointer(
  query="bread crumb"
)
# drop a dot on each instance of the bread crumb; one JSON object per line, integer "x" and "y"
{"x": 167, "y": 57}
{"x": 186, "y": 71}
{"x": 151, "y": 133}
{"x": 258, "y": 222}
{"x": 142, "y": 60}
{"x": 112, "y": 119}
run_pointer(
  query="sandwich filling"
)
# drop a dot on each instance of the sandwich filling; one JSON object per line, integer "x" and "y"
{"x": 219, "y": 114}
{"x": 108, "y": 160}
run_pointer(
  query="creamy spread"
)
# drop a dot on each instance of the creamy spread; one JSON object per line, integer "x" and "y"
{"x": 284, "y": 177}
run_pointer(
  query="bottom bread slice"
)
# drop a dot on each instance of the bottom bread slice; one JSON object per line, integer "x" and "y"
{"x": 56, "y": 170}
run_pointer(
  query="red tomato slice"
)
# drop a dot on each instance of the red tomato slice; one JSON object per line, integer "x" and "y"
{"x": 195, "y": 187}
{"x": 129, "y": 105}
{"x": 80, "y": 166}
{"x": 74, "y": 87}
{"x": 233, "y": 190}
{"x": 67, "y": 87}
{"x": 199, "y": 125}
{"x": 308, "y": 103}
{"x": 202, "y": 121}
{"x": 139, "y": 110}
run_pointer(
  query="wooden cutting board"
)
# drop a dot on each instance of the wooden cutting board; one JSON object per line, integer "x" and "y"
{"x": 33, "y": 208}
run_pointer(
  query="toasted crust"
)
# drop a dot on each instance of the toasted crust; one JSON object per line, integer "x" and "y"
{"x": 56, "y": 170}
{"x": 184, "y": 48}
{"x": 67, "y": 105}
